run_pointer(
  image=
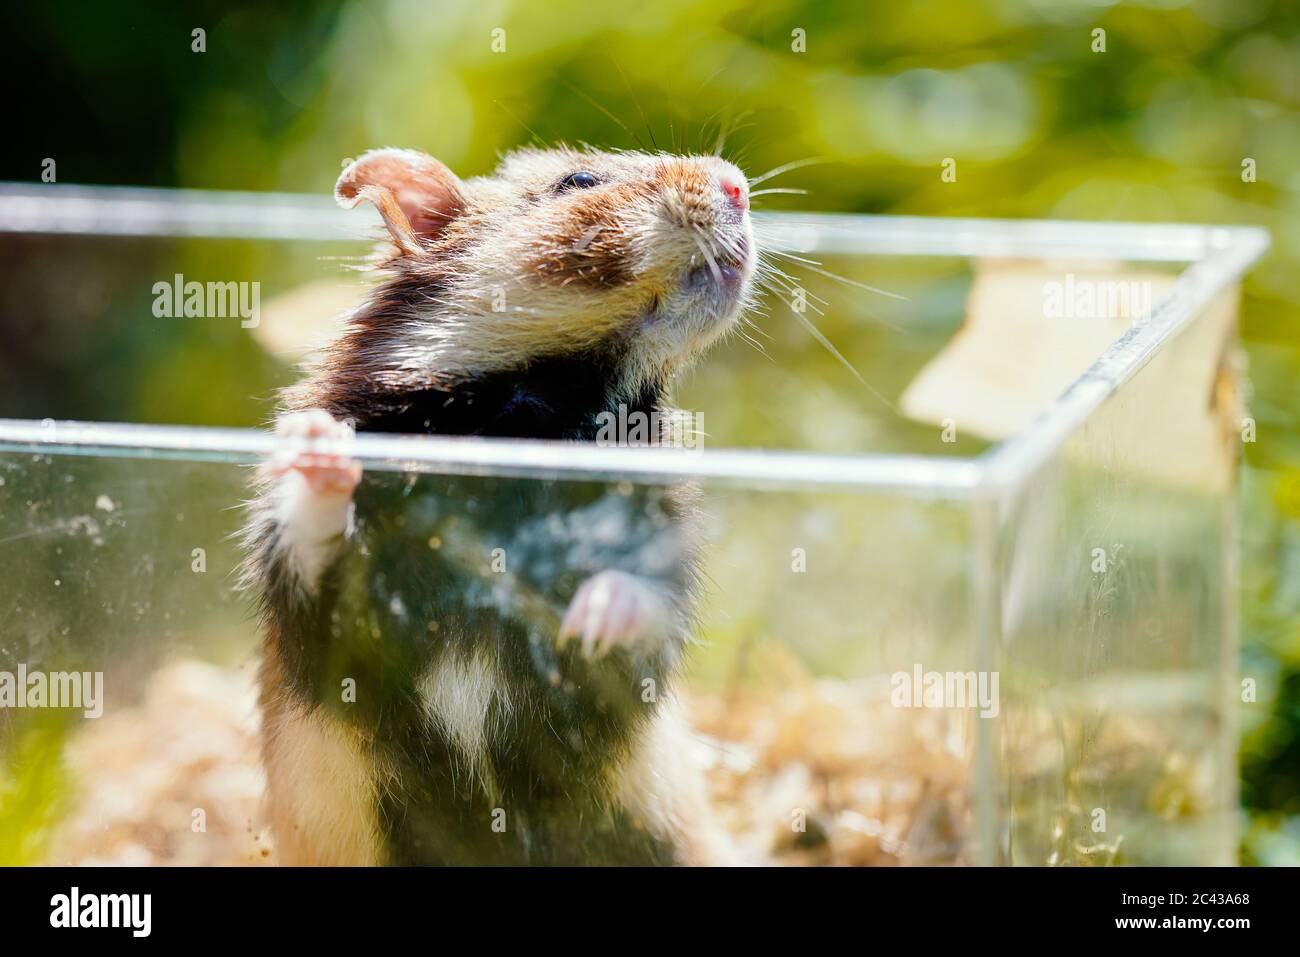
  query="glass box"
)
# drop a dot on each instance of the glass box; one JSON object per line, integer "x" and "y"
{"x": 969, "y": 594}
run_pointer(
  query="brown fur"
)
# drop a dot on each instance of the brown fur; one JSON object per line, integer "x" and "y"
{"x": 493, "y": 272}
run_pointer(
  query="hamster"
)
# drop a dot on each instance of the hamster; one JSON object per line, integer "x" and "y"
{"x": 473, "y": 671}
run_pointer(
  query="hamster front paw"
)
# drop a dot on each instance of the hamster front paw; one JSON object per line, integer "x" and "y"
{"x": 324, "y": 475}
{"x": 312, "y": 496}
{"x": 614, "y": 609}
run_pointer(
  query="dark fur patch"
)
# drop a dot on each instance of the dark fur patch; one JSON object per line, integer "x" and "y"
{"x": 392, "y": 606}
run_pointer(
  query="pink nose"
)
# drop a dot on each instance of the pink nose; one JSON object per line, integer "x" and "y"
{"x": 736, "y": 193}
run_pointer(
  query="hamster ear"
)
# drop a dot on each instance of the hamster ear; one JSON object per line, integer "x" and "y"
{"x": 415, "y": 194}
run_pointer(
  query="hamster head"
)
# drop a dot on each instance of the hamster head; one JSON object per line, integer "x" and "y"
{"x": 639, "y": 260}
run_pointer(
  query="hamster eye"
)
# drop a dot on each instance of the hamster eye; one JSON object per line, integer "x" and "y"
{"x": 578, "y": 181}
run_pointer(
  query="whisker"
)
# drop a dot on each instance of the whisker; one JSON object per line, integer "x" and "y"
{"x": 636, "y": 103}
{"x": 778, "y": 290}
{"x": 757, "y": 346}
{"x": 540, "y": 142}
{"x": 780, "y": 189}
{"x": 796, "y": 258}
{"x": 721, "y": 140}
{"x": 740, "y": 156}
{"x": 839, "y": 357}
{"x": 712, "y": 76}
{"x": 708, "y": 257}
{"x": 748, "y": 320}
{"x": 792, "y": 282}
{"x": 853, "y": 282}
{"x": 602, "y": 109}
{"x": 777, "y": 171}
{"x": 727, "y": 127}
{"x": 770, "y": 270}
{"x": 814, "y": 265}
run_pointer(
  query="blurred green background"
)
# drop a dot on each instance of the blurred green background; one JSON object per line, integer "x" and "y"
{"x": 1155, "y": 128}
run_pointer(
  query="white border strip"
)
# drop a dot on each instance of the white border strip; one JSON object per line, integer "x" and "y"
{"x": 131, "y": 211}
{"x": 922, "y": 475}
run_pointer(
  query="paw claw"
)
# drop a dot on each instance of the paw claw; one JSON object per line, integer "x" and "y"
{"x": 323, "y": 473}
{"x": 611, "y": 609}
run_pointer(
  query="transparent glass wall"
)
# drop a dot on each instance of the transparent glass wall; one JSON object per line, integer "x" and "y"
{"x": 1118, "y": 624}
{"x": 811, "y": 601}
{"x": 963, "y": 528}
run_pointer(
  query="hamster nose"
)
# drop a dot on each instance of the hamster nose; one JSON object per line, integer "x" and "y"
{"x": 735, "y": 190}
